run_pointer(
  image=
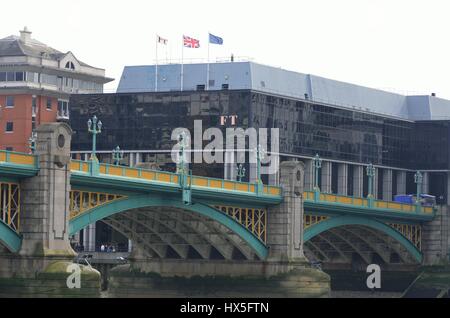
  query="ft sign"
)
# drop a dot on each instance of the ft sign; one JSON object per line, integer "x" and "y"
{"x": 230, "y": 120}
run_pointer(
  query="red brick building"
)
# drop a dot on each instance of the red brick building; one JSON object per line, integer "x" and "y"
{"x": 35, "y": 85}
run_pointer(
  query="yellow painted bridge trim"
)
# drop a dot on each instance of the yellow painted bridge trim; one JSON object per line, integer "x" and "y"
{"x": 363, "y": 202}
{"x": 10, "y": 205}
{"x": 172, "y": 178}
{"x": 17, "y": 158}
{"x": 84, "y": 201}
{"x": 21, "y": 159}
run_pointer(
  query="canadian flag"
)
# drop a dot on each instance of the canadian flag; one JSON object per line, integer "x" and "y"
{"x": 161, "y": 40}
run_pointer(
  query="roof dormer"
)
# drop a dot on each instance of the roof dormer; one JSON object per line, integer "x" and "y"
{"x": 68, "y": 61}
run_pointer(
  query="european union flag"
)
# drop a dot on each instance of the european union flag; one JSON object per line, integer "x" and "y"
{"x": 215, "y": 39}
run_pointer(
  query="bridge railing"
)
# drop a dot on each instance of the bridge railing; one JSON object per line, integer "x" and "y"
{"x": 18, "y": 158}
{"x": 364, "y": 202}
{"x": 232, "y": 185}
{"x": 127, "y": 172}
{"x": 172, "y": 178}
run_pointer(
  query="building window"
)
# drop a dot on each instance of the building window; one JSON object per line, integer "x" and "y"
{"x": 10, "y": 76}
{"x": 60, "y": 82}
{"x": 9, "y": 101}
{"x": 32, "y": 77}
{"x": 33, "y": 106}
{"x": 49, "y": 79}
{"x": 20, "y": 76}
{"x": 9, "y": 127}
{"x": 9, "y": 148}
{"x": 63, "y": 109}
{"x": 49, "y": 103}
{"x": 70, "y": 66}
{"x": 13, "y": 76}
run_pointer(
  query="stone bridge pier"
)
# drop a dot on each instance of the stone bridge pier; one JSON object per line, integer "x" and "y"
{"x": 285, "y": 272}
{"x": 285, "y": 222}
{"x": 39, "y": 268}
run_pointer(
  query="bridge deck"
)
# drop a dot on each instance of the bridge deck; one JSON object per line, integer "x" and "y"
{"x": 381, "y": 208}
{"x": 169, "y": 180}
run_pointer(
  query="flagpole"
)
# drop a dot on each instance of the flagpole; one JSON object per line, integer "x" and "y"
{"x": 207, "y": 68}
{"x": 182, "y": 65}
{"x": 167, "y": 60}
{"x": 156, "y": 66}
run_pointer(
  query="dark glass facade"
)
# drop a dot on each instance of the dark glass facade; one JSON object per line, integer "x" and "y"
{"x": 431, "y": 139}
{"x": 145, "y": 121}
{"x": 334, "y": 133}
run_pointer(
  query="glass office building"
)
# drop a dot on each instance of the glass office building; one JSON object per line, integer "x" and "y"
{"x": 349, "y": 126}
{"x": 142, "y": 121}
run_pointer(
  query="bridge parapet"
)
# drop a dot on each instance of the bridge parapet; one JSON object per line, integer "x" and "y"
{"x": 168, "y": 180}
{"x": 16, "y": 164}
{"x": 321, "y": 201}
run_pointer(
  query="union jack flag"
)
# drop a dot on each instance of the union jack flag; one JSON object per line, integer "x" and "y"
{"x": 191, "y": 42}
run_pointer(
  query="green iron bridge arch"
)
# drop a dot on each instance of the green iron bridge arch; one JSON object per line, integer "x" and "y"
{"x": 135, "y": 202}
{"x": 335, "y": 227}
{"x": 339, "y": 222}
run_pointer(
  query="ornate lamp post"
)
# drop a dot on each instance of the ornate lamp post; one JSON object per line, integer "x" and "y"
{"x": 370, "y": 171}
{"x": 317, "y": 164}
{"x": 260, "y": 154}
{"x": 182, "y": 140}
{"x": 240, "y": 172}
{"x": 418, "y": 179}
{"x": 181, "y": 169}
{"x": 94, "y": 127}
{"x": 117, "y": 155}
{"x": 32, "y": 142}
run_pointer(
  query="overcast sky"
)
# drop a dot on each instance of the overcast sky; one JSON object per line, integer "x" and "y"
{"x": 402, "y": 45}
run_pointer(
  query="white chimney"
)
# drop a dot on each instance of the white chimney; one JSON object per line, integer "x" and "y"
{"x": 25, "y": 35}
